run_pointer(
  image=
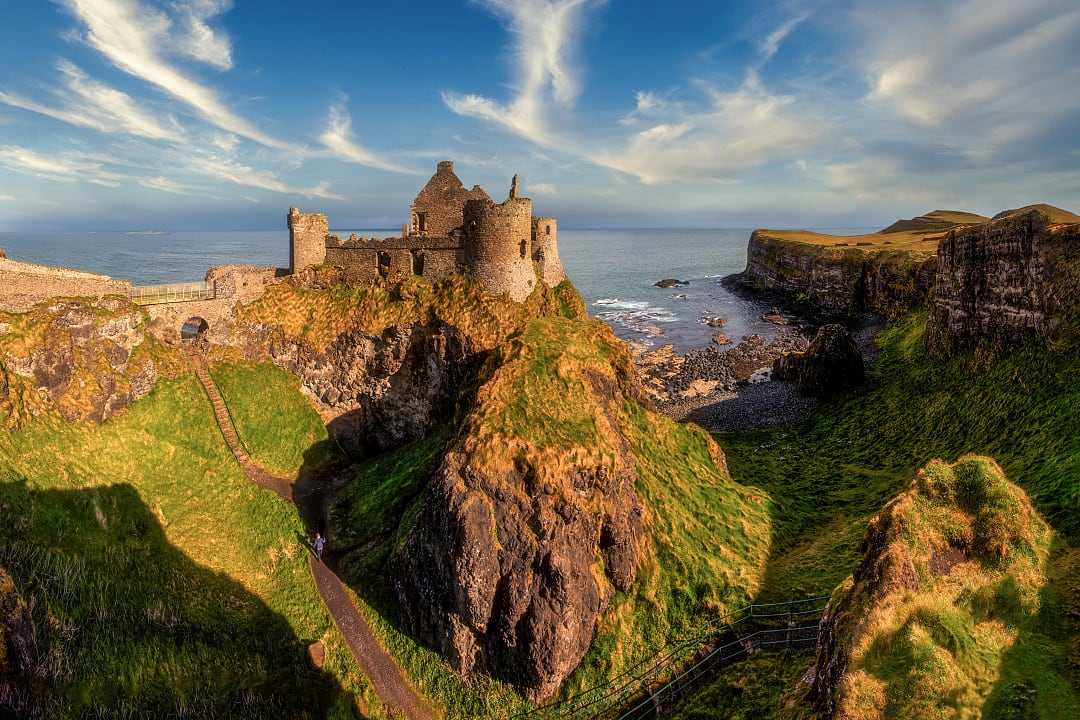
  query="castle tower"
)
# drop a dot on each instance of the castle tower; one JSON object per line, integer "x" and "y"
{"x": 545, "y": 243}
{"x": 498, "y": 245}
{"x": 307, "y": 239}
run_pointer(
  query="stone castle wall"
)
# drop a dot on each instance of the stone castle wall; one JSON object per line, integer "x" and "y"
{"x": 498, "y": 246}
{"x": 307, "y": 239}
{"x": 22, "y": 285}
{"x": 545, "y": 243}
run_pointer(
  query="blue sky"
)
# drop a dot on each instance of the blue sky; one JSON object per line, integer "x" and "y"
{"x": 201, "y": 114}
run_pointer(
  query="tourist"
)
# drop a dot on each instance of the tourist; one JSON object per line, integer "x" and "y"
{"x": 319, "y": 544}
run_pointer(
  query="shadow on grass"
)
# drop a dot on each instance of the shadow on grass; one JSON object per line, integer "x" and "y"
{"x": 128, "y": 626}
{"x": 1036, "y": 673}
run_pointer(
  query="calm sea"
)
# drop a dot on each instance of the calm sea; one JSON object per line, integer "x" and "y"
{"x": 614, "y": 270}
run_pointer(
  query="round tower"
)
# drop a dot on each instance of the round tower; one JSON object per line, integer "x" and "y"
{"x": 498, "y": 245}
{"x": 545, "y": 242}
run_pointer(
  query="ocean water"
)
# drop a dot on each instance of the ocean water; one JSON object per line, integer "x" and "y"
{"x": 614, "y": 269}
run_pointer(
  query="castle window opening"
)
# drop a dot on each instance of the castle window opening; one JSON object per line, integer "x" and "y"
{"x": 547, "y": 229}
{"x": 521, "y": 249}
{"x": 383, "y": 260}
{"x": 417, "y": 262}
{"x": 194, "y": 328}
{"x": 421, "y": 221}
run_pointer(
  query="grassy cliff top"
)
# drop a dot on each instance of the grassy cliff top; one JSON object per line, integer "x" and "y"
{"x": 1056, "y": 214}
{"x": 920, "y": 243}
{"x": 936, "y": 220}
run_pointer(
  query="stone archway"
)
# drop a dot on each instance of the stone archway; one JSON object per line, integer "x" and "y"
{"x": 194, "y": 329}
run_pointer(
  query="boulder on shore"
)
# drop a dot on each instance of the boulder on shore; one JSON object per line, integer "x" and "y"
{"x": 831, "y": 363}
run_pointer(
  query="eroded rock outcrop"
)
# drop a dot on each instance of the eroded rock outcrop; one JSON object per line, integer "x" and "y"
{"x": 1010, "y": 281}
{"x": 386, "y": 363}
{"x": 18, "y": 653}
{"x": 952, "y": 575}
{"x": 532, "y": 520}
{"x": 831, "y": 363}
{"x": 85, "y": 359}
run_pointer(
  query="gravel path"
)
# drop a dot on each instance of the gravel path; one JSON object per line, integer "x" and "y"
{"x": 374, "y": 661}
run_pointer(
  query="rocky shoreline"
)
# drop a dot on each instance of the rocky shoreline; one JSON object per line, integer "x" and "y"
{"x": 734, "y": 388}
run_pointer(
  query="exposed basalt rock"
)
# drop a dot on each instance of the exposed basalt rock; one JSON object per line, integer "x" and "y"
{"x": 832, "y": 362}
{"x": 669, "y": 283}
{"x": 387, "y": 363}
{"x": 396, "y": 385}
{"x": 85, "y": 359}
{"x": 18, "y": 653}
{"x": 935, "y": 562}
{"x": 528, "y": 527}
{"x": 1010, "y": 281}
{"x": 836, "y": 281}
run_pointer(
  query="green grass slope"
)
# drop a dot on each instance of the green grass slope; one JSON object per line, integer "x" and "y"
{"x": 277, "y": 425}
{"x": 164, "y": 583}
{"x": 830, "y": 475}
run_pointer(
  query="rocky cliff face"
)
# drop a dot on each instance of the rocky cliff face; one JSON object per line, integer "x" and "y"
{"x": 386, "y": 364}
{"x": 1012, "y": 280}
{"x": 952, "y": 574}
{"x": 532, "y": 520}
{"x": 831, "y": 363}
{"x": 18, "y": 653}
{"x": 85, "y": 359}
{"x": 838, "y": 281}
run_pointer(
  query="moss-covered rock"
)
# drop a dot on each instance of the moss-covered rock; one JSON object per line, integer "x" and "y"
{"x": 952, "y": 582}
{"x": 85, "y": 359}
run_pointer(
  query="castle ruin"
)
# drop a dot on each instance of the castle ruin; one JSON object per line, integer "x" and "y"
{"x": 450, "y": 229}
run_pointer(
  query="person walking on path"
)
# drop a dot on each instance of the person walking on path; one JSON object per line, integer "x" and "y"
{"x": 319, "y": 545}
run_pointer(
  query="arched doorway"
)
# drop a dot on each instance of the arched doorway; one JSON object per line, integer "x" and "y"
{"x": 194, "y": 328}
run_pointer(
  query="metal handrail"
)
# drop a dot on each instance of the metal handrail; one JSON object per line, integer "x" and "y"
{"x": 633, "y": 678}
{"x": 173, "y": 292}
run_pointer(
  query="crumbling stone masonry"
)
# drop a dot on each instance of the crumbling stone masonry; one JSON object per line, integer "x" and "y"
{"x": 451, "y": 229}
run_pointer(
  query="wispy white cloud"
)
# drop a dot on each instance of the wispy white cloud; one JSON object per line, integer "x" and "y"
{"x": 771, "y": 43}
{"x": 85, "y": 102}
{"x": 338, "y": 138}
{"x": 978, "y": 75}
{"x": 134, "y": 37}
{"x": 719, "y": 134}
{"x": 57, "y": 168}
{"x": 199, "y": 40}
{"x": 541, "y": 188}
{"x": 165, "y": 184}
{"x": 543, "y": 44}
{"x": 7, "y": 198}
{"x": 237, "y": 173}
{"x": 734, "y": 132}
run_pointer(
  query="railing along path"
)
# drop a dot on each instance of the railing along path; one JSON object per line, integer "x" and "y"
{"x": 645, "y": 689}
{"x": 173, "y": 293}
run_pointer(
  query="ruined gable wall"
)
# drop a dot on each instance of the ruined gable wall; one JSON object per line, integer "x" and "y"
{"x": 22, "y": 285}
{"x": 545, "y": 240}
{"x": 498, "y": 246}
{"x": 442, "y": 201}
